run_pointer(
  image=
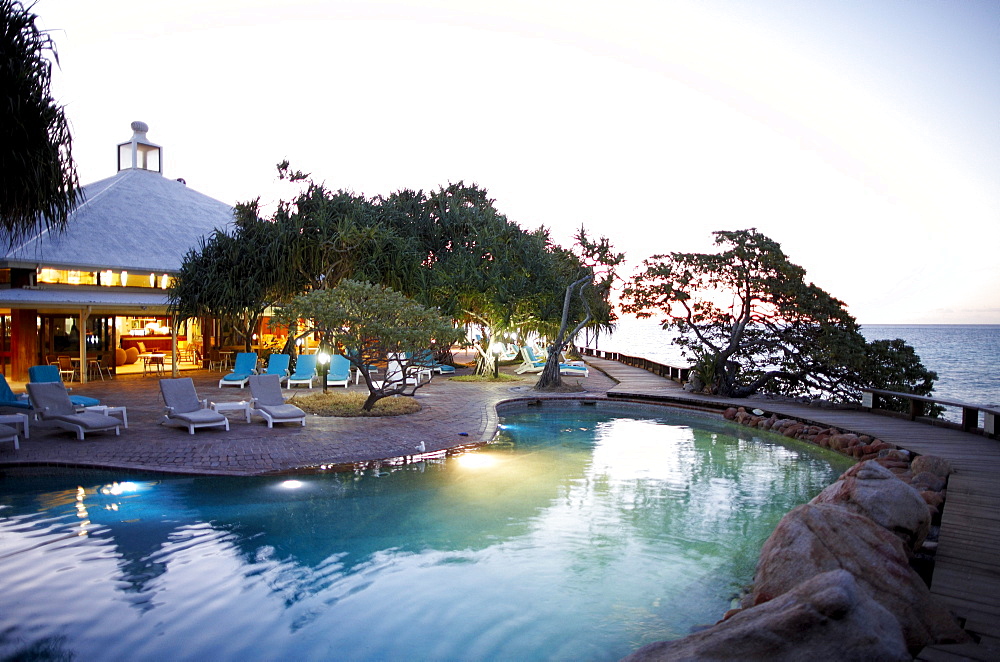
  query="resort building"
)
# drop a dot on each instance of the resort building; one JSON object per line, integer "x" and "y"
{"x": 100, "y": 286}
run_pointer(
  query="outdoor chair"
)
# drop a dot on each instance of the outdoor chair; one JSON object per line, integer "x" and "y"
{"x": 8, "y": 399}
{"x": 7, "y": 433}
{"x": 269, "y": 403}
{"x": 184, "y": 408}
{"x": 426, "y": 359}
{"x": 277, "y": 364}
{"x": 53, "y": 407}
{"x": 66, "y": 368}
{"x": 339, "y": 371}
{"x": 40, "y": 374}
{"x": 305, "y": 371}
{"x": 246, "y": 365}
{"x": 398, "y": 369}
{"x": 529, "y": 362}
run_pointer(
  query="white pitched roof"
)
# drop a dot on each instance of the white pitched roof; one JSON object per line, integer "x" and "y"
{"x": 137, "y": 220}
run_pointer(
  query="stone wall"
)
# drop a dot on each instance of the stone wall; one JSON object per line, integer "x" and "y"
{"x": 836, "y": 578}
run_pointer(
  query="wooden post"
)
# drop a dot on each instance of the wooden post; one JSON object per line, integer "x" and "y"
{"x": 81, "y": 334}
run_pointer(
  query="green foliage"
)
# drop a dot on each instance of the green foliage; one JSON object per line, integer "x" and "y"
{"x": 590, "y": 275}
{"x": 371, "y": 322}
{"x": 235, "y": 277}
{"x": 748, "y": 310}
{"x": 892, "y": 365}
{"x": 38, "y": 180}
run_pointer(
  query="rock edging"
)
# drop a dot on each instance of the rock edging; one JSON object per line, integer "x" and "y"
{"x": 835, "y": 580}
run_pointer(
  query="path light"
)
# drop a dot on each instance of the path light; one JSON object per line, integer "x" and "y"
{"x": 323, "y": 358}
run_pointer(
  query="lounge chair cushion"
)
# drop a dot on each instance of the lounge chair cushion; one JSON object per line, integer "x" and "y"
{"x": 200, "y": 417}
{"x": 282, "y": 412}
{"x": 131, "y": 355}
{"x": 88, "y": 420}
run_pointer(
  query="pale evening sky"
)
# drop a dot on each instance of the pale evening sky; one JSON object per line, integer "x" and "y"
{"x": 863, "y": 135}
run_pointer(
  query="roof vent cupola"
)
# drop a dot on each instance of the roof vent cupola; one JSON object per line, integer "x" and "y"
{"x": 138, "y": 153}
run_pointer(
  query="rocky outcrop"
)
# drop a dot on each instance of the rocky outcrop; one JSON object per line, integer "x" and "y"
{"x": 905, "y": 466}
{"x": 820, "y": 537}
{"x": 871, "y": 490}
{"x": 826, "y": 617}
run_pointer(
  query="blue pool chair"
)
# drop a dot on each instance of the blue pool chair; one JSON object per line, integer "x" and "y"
{"x": 305, "y": 371}
{"x": 246, "y": 365}
{"x": 8, "y": 399}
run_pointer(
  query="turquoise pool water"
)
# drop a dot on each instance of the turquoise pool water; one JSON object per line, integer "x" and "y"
{"x": 582, "y": 534}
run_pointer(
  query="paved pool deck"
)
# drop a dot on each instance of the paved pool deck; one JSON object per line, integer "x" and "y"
{"x": 452, "y": 415}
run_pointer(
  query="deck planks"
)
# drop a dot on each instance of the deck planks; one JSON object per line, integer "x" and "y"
{"x": 967, "y": 564}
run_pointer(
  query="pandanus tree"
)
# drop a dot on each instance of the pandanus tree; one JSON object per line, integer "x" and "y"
{"x": 373, "y": 322}
{"x": 235, "y": 275}
{"x": 753, "y": 323}
{"x": 585, "y": 300}
{"x": 475, "y": 265}
{"x": 38, "y": 181}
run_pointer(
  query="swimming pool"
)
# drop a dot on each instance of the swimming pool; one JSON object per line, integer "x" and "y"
{"x": 584, "y": 532}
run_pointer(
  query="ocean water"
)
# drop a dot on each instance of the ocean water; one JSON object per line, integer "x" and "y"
{"x": 966, "y": 357}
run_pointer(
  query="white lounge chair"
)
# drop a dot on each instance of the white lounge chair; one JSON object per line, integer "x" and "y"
{"x": 184, "y": 407}
{"x": 7, "y": 433}
{"x": 529, "y": 362}
{"x": 53, "y": 407}
{"x": 269, "y": 403}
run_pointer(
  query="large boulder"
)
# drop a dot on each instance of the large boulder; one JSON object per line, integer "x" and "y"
{"x": 871, "y": 490}
{"x": 932, "y": 463}
{"x": 828, "y": 617}
{"x": 817, "y": 537}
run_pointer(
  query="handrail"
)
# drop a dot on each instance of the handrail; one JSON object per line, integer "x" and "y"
{"x": 676, "y": 373}
{"x": 970, "y": 412}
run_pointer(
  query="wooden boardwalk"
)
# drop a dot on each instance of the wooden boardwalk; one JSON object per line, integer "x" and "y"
{"x": 967, "y": 563}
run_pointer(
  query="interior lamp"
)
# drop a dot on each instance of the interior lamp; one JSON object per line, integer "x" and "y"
{"x": 124, "y": 275}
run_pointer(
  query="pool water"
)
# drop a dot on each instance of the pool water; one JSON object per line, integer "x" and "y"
{"x": 582, "y": 534}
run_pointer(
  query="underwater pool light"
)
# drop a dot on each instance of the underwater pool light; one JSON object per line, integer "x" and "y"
{"x": 291, "y": 484}
{"x": 475, "y": 460}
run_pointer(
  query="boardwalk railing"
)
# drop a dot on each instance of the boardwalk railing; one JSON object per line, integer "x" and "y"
{"x": 676, "y": 373}
{"x": 870, "y": 398}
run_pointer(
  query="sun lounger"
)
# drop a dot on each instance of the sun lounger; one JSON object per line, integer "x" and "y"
{"x": 339, "y": 371}
{"x": 269, "y": 403}
{"x": 7, "y": 433}
{"x": 305, "y": 371}
{"x": 184, "y": 407}
{"x": 8, "y": 399}
{"x": 246, "y": 365}
{"x": 53, "y": 407}
{"x": 50, "y": 373}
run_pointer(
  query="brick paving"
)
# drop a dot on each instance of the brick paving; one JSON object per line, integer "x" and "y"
{"x": 453, "y": 414}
